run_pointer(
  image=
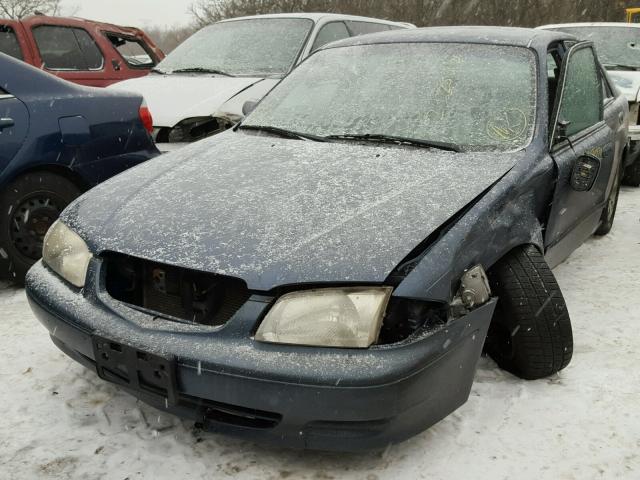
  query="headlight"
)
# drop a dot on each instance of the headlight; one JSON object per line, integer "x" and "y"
{"x": 66, "y": 254}
{"x": 329, "y": 317}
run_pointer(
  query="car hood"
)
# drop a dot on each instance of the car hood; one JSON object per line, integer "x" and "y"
{"x": 627, "y": 82}
{"x": 172, "y": 98}
{"x": 276, "y": 211}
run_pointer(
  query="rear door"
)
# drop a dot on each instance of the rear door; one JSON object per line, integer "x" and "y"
{"x": 14, "y": 125}
{"x": 579, "y": 130}
{"x": 71, "y": 53}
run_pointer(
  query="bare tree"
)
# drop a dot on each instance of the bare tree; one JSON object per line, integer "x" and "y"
{"x": 525, "y": 13}
{"x": 22, "y": 8}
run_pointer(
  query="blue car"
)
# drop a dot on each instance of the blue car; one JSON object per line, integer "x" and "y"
{"x": 57, "y": 140}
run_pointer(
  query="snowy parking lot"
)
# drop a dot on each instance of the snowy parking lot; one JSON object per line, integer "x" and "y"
{"x": 60, "y": 421}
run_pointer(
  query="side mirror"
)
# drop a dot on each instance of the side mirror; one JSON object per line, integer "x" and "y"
{"x": 584, "y": 174}
{"x": 116, "y": 65}
{"x": 562, "y": 128}
{"x": 248, "y": 107}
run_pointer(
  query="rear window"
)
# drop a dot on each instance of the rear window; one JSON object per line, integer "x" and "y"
{"x": 132, "y": 50}
{"x": 9, "y": 42}
{"x": 331, "y": 32}
{"x": 64, "y": 48}
{"x": 362, "y": 28}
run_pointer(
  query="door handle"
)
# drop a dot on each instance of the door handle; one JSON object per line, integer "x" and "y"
{"x": 621, "y": 117}
{"x": 6, "y": 123}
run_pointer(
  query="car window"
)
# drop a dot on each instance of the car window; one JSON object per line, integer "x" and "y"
{"x": 132, "y": 51}
{"x": 9, "y": 42}
{"x": 362, "y": 28}
{"x": 64, "y": 48}
{"x": 582, "y": 96}
{"x": 330, "y": 33}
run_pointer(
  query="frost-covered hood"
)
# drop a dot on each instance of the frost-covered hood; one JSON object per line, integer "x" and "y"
{"x": 627, "y": 82}
{"x": 277, "y": 211}
{"x": 172, "y": 98}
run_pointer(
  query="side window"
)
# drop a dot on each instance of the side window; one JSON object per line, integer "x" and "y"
{"x": 330, "y": 33}
{"x": 582, "y": 97}
{"x": 9, "y": 42}
{"x": 362, "y": 28}
{"x": 132, "y": 51}
{"x": 64, "y": 48}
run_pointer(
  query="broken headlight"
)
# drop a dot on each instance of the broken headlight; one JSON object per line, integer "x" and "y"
{"x": 66, "y": 254}
{"x": 329, "y": 317}
{"x": 193, "y": 129}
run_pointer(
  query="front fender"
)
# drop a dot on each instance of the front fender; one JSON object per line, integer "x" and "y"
{"x": 508, "y": 215}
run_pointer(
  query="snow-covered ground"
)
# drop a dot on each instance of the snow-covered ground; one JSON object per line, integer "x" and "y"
{"x": 58, "y": 420}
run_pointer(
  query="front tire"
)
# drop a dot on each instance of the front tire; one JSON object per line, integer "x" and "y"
{"x": 28, "y": 207}
{"x": 530, "y": 334}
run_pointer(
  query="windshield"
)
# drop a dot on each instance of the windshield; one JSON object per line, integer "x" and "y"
{"x": 615, "y": 45}
{"x": 256, "y": 47}
{"x": 477, "y": 97}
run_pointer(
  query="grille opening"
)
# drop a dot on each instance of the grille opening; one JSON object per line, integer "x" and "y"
{"x": 186, "y": 295}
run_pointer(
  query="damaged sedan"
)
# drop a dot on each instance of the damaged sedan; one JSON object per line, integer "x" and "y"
{"x": 326, "y": 274}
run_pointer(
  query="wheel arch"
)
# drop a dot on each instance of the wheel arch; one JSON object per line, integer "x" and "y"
{"x": 60, "y": 170}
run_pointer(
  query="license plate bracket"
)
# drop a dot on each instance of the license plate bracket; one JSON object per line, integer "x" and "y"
{"x": 135, "y": 369}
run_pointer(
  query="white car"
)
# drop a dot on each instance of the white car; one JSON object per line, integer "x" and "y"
{"x": 200, "y": 88}
{"x": 618, "y": 48}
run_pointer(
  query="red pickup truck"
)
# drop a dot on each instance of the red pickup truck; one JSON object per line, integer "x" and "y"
{"x": 78, "y": 50}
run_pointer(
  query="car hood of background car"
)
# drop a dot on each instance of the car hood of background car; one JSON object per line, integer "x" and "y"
{"x": 278, "y": 211}
{"x": 175, "y": 97}
{"x": 627, "y": 82}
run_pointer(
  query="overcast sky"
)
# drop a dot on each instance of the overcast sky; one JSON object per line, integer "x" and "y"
{"x": 138, "y": 13}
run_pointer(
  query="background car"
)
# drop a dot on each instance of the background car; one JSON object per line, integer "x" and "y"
{"x": 57, "y": 140}
{"x": 324, "y": 275}
{"x": 78, "y": 50}
{"x": 618, "y": 46}
{"x": 200, "y": 88}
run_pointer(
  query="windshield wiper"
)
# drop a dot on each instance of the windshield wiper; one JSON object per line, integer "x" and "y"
{"x": 202, "y": 70}
{"x": 157, "y": 70}
{"x": 619, "y": 66}
{"x": 377, "y": 137}
{"x": 283, "y": 132}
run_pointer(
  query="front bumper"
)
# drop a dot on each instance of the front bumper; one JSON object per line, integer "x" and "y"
{"x": 299, "y": 397}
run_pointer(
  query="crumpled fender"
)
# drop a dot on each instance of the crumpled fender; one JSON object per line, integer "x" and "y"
{"x": 507, "y": 215}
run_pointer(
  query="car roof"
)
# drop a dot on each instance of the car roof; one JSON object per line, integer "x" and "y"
{"x": 524, "y": 37}
{"x": 316, "y": 17}
{"x": 78, "y": 21}
{"x": 590, "y": 24}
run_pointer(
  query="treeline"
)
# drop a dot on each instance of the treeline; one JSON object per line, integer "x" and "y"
{"x": 524, "y": 13}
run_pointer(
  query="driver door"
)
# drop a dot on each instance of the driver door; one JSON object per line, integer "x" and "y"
{"x": 579, "y": 132}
